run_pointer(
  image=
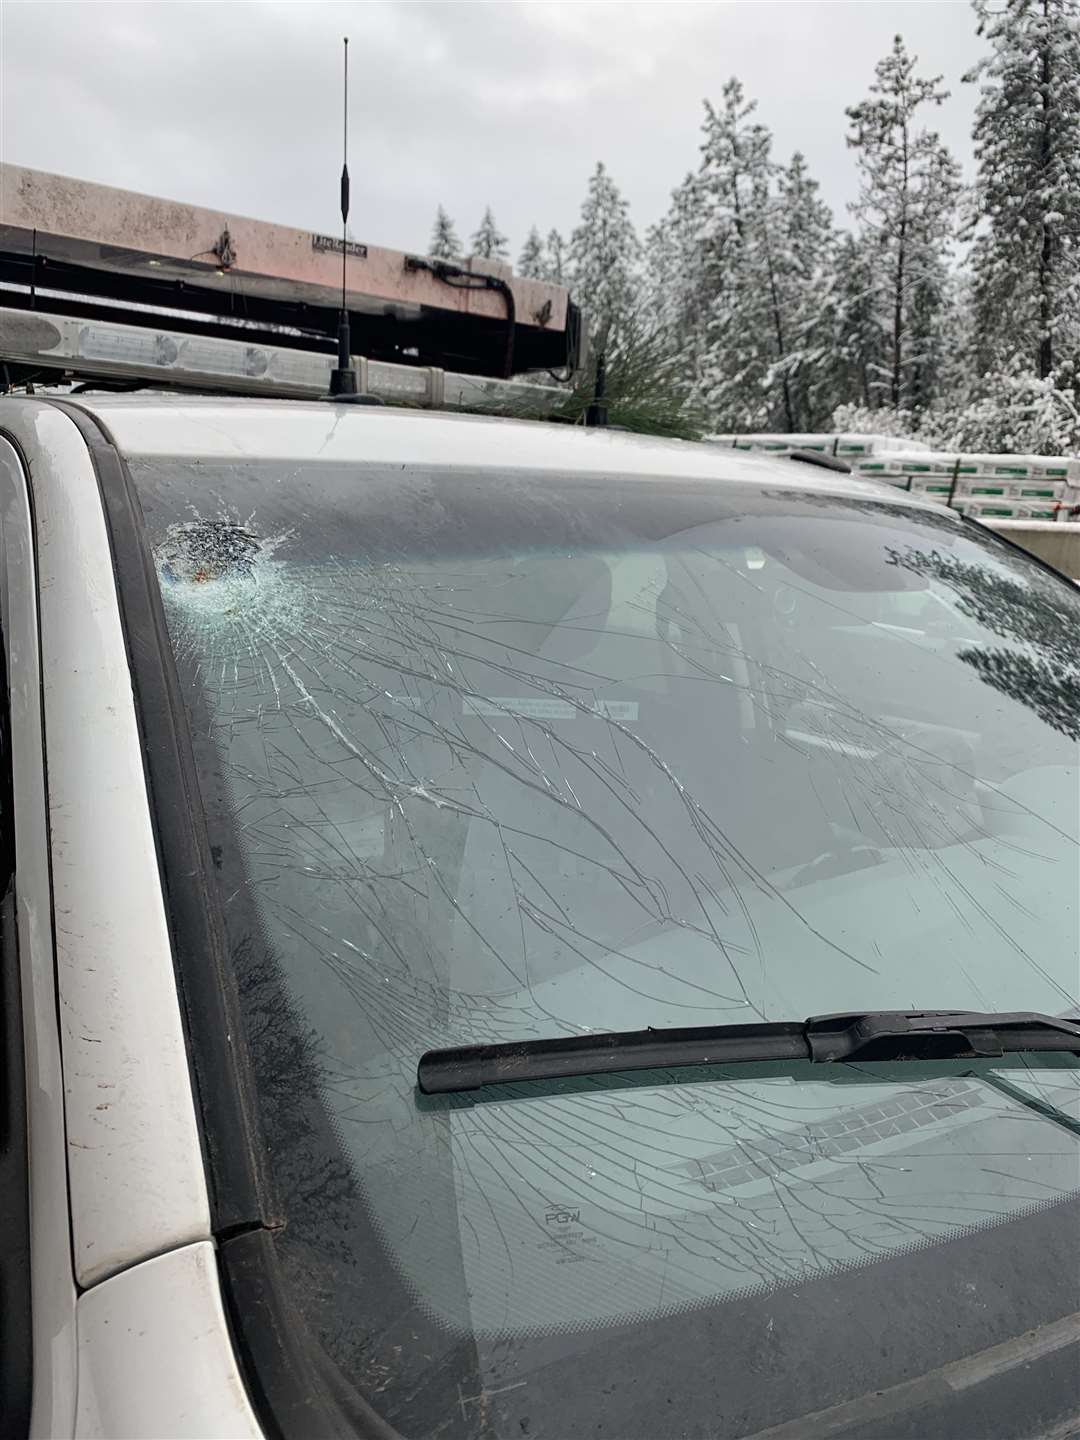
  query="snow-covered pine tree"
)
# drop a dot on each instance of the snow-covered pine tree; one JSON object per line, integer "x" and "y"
{"x": 934, "y": 333}
{"x": 532, "y": 263}
{"x": 1015, "y": 411}
{"x": 910, "y": 184}
{"x": 858, "y": 346}
{"x": 805, "y": 256}
{"x": 731, "y": 186}
{"x": 556, "y": 265}
{"x": 765, "y": 255}
{"x": 1026, "y": 256}
{"x": 723, "y": 185}
{"x": 604, "y": 256}
{"x": 444, "y": 243}
{"x": 959, "y": 377}
{"x": 745, "y": 335}
{"x": 809, "y": 221}
{"x": 674, "y": 288}
{"x": 768, "y": 257}
{"x": 489, "y": 243}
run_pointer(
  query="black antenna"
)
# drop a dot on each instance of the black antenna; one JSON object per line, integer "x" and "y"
{"x": 343, "y": 376}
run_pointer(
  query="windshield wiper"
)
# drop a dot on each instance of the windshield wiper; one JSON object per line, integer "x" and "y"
{"x": 870, "y": 1035}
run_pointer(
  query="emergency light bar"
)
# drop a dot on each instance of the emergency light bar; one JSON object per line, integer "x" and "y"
{"x": 62, "y": 346}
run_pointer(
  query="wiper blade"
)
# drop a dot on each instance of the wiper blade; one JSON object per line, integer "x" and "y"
{"x": 869, "y": 1035}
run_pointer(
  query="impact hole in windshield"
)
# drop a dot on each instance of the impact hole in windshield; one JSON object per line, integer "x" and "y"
{"x": 221, "y": 571}
{"x": 206, "y": 550}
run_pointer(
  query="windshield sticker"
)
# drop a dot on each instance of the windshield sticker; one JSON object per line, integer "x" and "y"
{"x": 834, "y": 1142}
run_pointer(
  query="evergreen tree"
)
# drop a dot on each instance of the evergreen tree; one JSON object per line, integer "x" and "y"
{"x": 730, "y": 301}
{"x": 752, "y": 312}
{"x": 679, "y": 291}
{"x": 745, "y": 332}
{"x": 1012, "y": 411}
{"x": 1026, "y": 256}
{"x": 768, "y": 272}
{"x": 642, "y": 387}
{"x": 763, "y": 270}
{"x": 604, "y": 256}
{"x": 444, "y": 243}
{"x": 489, "y": 243}
{"x": 910, "y": 185}
{"x": 532, "y": 263}
{"x": 858, "y": 346}
{"x": 933, "y": 333}
{"x": 806, "y": 283}
{"x": 556, "y": 265}
{"x": 722, "y": 188}
{"x": 809, "y": 220}
{"x": 958, "y": 377}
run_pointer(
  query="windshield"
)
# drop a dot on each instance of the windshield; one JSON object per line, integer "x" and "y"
{"x": 489, "y": 757}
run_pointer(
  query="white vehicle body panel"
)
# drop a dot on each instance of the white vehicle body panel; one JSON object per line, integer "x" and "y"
{"x": 52, "y": 1284}
{"x": 318, "y": 430}
{"x": 155, "y": 1361}
{"x": 135, "y": 1164}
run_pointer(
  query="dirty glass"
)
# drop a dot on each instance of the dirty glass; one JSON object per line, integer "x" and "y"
{"x": 498, "y": 756}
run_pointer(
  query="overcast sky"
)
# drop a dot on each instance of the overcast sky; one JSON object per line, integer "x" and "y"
{"x": 237, "y": 106}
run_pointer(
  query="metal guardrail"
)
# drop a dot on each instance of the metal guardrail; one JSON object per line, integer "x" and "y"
{"x": 1056, "y": 542}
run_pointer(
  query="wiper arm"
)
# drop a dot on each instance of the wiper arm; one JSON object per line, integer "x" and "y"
{"x": 870, "y": 1035}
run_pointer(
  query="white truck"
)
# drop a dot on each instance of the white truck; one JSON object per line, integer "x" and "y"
{"x": 424, "y": 838}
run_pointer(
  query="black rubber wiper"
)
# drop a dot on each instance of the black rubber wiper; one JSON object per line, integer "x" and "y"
{"x": 870, "y": 1035}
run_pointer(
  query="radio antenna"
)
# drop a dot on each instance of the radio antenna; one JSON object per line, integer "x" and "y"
{"x": 343, "y": 376}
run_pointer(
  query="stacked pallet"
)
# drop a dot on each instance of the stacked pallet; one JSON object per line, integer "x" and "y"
{"x": 845, "y": 446}
{"x": 1005, "y": 487}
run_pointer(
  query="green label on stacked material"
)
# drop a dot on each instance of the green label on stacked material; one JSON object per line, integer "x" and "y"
{"x": 846, "y": 445}
{"x": 966, "y": 466}
{"x": 999, "y": 485}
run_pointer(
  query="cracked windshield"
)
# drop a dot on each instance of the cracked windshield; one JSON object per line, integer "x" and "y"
{"x": 498, "y": 755}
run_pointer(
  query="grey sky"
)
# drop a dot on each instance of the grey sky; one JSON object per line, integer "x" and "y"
{"x": 237, "y": 106}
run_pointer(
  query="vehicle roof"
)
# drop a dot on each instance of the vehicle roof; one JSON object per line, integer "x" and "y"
{"x": 233, "y": 429}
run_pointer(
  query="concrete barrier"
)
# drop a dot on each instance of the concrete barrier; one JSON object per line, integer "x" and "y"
{"x": 1056, "y": 542}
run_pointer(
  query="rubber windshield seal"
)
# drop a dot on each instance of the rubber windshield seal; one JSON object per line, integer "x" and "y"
{"x": 287, "y": 1374}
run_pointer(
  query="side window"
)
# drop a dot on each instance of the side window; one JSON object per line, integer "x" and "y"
{"x": 15, "y": 1360}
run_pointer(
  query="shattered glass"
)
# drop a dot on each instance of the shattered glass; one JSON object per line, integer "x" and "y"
{"x": 499, "y": 757}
